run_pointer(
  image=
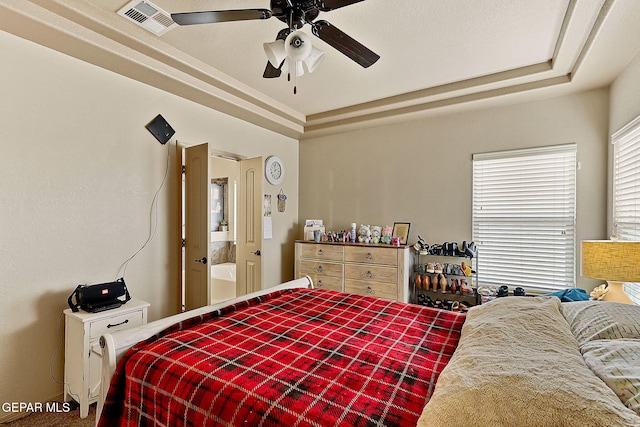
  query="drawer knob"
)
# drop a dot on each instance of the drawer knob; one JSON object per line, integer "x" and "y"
{"x": 319, "y": 269}
{"x": 118, "y": 324}
{"x": 369, "y": 255}
{"x": 319, "y": 284}
{"x": 369, "y": 290}
{"x": 320, "y": 253}
{"x": 368, "y": 274}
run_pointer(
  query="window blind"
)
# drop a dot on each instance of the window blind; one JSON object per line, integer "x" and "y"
{"x": 524, "y": 215}
{"x": 626, "y": 181}
{"x": 626, "y": 190}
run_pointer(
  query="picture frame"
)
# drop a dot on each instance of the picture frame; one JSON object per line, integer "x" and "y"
{"x": 401, "y": 230}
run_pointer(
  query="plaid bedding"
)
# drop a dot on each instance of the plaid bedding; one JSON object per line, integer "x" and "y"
{"x": 298, "y": 357}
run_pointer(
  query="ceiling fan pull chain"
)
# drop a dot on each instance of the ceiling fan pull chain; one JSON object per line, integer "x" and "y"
{"x": 295, "y": 77}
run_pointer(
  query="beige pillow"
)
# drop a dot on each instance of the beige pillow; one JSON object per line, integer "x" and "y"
{"x": 518, "y": 364}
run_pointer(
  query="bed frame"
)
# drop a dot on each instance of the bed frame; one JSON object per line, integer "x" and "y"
{"x": 115, "y": 345}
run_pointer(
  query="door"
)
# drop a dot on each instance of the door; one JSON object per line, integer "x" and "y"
{"x": 249, "y": 243}
{"x": 197, "y": 227}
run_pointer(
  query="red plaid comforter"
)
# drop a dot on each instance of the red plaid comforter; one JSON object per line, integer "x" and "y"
{"x": 292, "y": 358}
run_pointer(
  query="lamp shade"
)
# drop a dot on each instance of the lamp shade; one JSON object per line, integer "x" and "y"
{"x": 314, "y": 59}
{"x": 611, "y": 260}
{"x": 275, "y": 52}
{"x": 298, "y": 46}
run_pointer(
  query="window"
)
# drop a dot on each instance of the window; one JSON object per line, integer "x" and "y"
{"x": 524, "y": 215}
{"x": 626, "y": 189}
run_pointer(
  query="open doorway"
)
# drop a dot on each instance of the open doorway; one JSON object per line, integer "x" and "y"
{"x": 219, "y": 225}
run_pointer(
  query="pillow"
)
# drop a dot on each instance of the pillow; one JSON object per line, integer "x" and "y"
{"x": 518, "y": 364}
{"x": 598, "y": 320}
{"x": 617, "y": 363}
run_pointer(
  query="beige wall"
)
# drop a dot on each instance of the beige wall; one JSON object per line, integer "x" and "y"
{"x": 78, "y": 172}
{"x": 625, "y": 96}
{"x": 421, "y": 171}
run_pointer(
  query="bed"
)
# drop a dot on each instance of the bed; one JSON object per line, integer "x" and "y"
{"x": 294, "y": 355}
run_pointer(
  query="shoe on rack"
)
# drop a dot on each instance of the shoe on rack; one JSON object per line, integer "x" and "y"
{"x": 437, "y": 268}
{"x": 436, "y": 249}
{"x": 430, "y": 268}
{"x": 503, "y": 291}
{"x": 470, "y": 250}
{"x": 465, "y": 288}
{"x": 461, "y": 251}
{"x": 426, "y": 282}
{"x": 519, "y": 292}
{"x": 442, "y": 281}
{"x": 454, "y": 286}
{"x": 453, "y": 249}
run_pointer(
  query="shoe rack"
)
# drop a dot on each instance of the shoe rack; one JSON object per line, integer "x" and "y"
{"x": 441, "y": 275}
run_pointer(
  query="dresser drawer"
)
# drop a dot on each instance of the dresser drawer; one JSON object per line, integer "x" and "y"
{"x": 371, "y": 273}
{"x": 321, "y": 281}
{"x": 115, "y": 323}
{"x": 369, "y": 255}
{"x": 383, "y": 290}
{"x": 319, "y": 251}
{"x": 318, "y": 267}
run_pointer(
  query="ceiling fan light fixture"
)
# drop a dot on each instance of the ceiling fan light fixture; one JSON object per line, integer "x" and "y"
{"x": 314, "y": 59}
{"x": 275, "y": 52}
{"x": 298, "y": 46}
{"x": 294, "y": 67}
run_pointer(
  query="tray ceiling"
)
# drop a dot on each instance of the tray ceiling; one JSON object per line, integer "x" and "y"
{"x": 436, "y": 55}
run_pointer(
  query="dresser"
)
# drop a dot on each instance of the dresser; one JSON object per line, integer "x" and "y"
{"x": 82, "y": 363}
{"x": 379, "y": 270}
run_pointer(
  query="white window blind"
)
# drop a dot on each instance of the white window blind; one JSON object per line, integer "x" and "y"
{"x": 626, "y": 190}
{"x": 524, "y": 215}
{"x": 626, "y": 181}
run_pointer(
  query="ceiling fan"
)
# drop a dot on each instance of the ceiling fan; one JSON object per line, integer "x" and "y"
{"x": 294, "y": 13}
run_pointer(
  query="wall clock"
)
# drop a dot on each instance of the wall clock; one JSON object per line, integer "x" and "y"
{"x": 274, "y": 170}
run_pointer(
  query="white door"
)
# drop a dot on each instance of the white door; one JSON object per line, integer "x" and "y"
{"x": 249, "y": 244}
{"x": 197, "y": 227}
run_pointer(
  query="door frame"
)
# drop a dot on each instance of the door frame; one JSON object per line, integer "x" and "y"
{"x": 255, "y": 262}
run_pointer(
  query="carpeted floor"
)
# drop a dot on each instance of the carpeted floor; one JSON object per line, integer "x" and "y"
{"x": 57, "y": 419}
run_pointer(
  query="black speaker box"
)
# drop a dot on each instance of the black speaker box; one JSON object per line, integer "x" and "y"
{"x": 160, "y": 129}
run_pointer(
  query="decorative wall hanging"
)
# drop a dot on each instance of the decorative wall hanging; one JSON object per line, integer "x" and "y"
{"x": 282, "y": 201}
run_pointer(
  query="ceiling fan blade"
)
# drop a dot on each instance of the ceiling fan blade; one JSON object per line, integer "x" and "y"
{"x": 271, "y": 72}
{"x": 327, "y": 5}
{"x": 192, "y": 18}
{"x": 345, "y": 44}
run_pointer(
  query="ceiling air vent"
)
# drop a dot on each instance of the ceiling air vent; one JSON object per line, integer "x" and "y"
{"x": 148, "y": 16}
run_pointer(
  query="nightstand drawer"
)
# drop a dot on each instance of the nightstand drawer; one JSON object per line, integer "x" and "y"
{"x": 115, "y": 323}
{"x": 320, "y": 251}
{"x": 369, "y": 255}
{"x": 371, "y": 273}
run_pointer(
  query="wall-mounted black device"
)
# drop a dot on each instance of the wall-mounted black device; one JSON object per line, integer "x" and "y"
{"x": 160, "y": 129}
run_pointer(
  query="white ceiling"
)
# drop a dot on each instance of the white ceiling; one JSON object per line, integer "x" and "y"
{"x": 436, "y": 55}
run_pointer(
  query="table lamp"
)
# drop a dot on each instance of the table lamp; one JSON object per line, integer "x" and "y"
{"x": 614, "y": 261}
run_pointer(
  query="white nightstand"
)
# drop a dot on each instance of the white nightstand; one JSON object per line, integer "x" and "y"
{"x": 82, "y": 347}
